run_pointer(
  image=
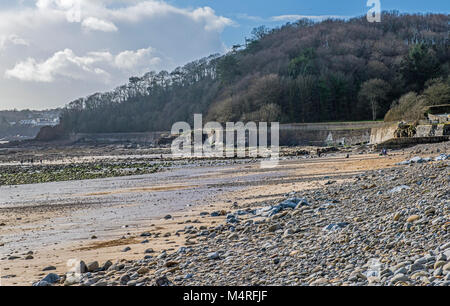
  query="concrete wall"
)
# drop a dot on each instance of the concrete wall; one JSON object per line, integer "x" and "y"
{"x": 322, "y": 134}
{"x": 425, "y": 132}
{"x": 383, "y": 132}
{"x": 318, "y": 134}
{"x": 144, "y": 138}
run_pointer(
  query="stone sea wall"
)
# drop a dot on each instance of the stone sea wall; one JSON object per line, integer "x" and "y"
{"x": 323, "y": 134}
{"x": 318, "y": 134}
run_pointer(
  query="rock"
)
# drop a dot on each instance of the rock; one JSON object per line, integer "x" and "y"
{"x": 402, "y": 270}
{"x": 445, "y": 246}
{"x": 413, "y": 218}
{"x": 441, "y": 257}
{"x": 145, "y": 234}
{"x": 386, "y": 273}
{"x": 167, "y": 217}
{"x": 320, "y": 281}
{"x": 399, "y": 189}
{"x": 335, "y": 227}
{"x": 446, "y": 267}
{"x": 126, "y": 249}
{"x": 162, "y": 281}
{"x": 170, "y": 264}
{"x": 81, "y": 267}
{"x": 213, "y": 256}
{"x": 443, "y": 156}
{"x": 124, "y": 279}
{"x": 182, "y": 250}
{"x": 49, "y": 268}
{"x": 72, "y": 279}
{"x": 92, "y": 266}
{"x": 51, "y": 278}
{"x": 416, "y": 267}
{"x": 149, "y": 251}
{"x": 373, "y": 280}
{"x": 42, "y": 284}
{"x": 399, "y": 278}
{"x": 418, "y": 275}
{"x": 106, "y": 265}
{"x": 292, "y": 203}
{"x": 274, "y": 227}
{"x": 143, "y": 270}
{"x": 439, "y": 264}
{"x": 29, "y": 257}
{"x": 288, "y": 232}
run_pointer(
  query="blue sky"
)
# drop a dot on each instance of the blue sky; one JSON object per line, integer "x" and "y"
{"x": 49, "y": 58}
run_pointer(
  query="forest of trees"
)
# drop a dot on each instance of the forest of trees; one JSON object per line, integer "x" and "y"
{"x": 335, "y": 70}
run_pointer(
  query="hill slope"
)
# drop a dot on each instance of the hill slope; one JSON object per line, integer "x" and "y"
{"x": 301, "y": 72}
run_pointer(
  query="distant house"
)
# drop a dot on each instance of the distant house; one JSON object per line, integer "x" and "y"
{"x": 27, "y": 122}
{"x": 40, "y": 122}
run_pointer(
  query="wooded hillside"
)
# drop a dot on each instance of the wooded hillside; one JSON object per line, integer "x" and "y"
{"x": 334, "y": 70}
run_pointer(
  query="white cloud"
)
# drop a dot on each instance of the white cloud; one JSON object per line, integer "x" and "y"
{"x": 98, "y": 46}
{"x": 159, "y": 9}
{"x": 250, "y": 17}
{"x": 92, "y": 23}
{"x": 132, "y": 59}
{"x": 94, "y": 65}
{"x": 63, "y": 63}
{"x": 12, "y": 39}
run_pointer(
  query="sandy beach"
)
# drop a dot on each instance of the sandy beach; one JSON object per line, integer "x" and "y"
{"x": 95, "y": 219}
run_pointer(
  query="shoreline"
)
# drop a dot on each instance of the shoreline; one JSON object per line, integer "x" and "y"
{"x": 294, "y": 174}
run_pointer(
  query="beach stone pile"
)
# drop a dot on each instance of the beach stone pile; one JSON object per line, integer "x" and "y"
{"x": 387, "y": 227}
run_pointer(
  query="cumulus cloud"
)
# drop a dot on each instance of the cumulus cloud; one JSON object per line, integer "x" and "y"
{"x": 63, "y": 63}
{"x": 91, "y": 66}
{"x": 12, "y": 39}
{"x": 205, "y": 16}
{"x": 132, "y": 59}
{"x": 95, "y": 24}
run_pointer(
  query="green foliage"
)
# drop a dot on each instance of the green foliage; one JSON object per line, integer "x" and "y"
{"x": 228, "y": 68}
{"x": 10, "y": 175}
{"x": 411, "y": 106}
{"x": 302, "y": 64}
{"x": 420, "y": 65}
{"x": 374, "y": 93}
